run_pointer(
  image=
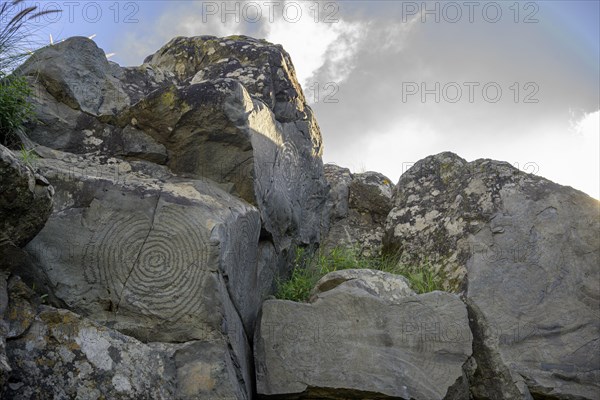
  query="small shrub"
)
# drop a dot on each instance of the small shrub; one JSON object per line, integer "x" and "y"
{"x": 15, "y": 108}
{"x": 17, "y": 25}
{"x": 301, "y": 281}
{"x": 307, "y": 271}
{"x": 29, "y": 157}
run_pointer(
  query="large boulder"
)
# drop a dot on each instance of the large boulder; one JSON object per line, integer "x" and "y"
{"x": 62, "y": 355}
{"x": 167, "y": 259}
{"x": 229, "y": 109}
{"x": 356, "y": 209}
{"x": 215, "y": 129}
{"x": 363, "y": 337}
{"x": 25, "y": 201}
{"x": 55, "y": 353}
{"x": 183, "y": 187}
{"x": 266, "y": 70}
{"x": 525, "y": 253}
{"x": 77, "y": 74}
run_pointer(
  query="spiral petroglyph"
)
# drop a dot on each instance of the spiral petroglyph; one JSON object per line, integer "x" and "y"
{"x": 288, "y": 163}
{"x": 152, "y": 264}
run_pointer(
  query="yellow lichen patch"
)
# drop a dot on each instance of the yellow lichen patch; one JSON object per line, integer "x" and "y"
{"x": 45, "y": 362}
{"x": 62, "y": 326}
{"x": 195, "y": 378}
{"x": 168, "y": 98}
{"x": 180, "y": 69}
{"x": 236, "y": 37}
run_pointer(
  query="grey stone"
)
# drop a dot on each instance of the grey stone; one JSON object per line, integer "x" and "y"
{"x": 214, "y": 129}
{"x": 4, "y": 366}
{"x": 388, "y": 287}
{"x": 168, "y": 260}
{"x": 76, "y": 73}
{"x": 371, "y": 192}
{"x": 136, "y": 144}
{"x": 350, "y": 343}
{"x": 25, "y": 200}
{"x": 265, "y": 69}
{"x": 338, "y": 179}
{"x": 65, "y": 356}
{"x": 356, "y": 210}
{"x": 56, "y": 353}
{"x": 525, "y": 253}
{"x": 270, "y": 154}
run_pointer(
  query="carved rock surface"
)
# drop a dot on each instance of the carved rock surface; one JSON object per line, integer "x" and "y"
{"x": 229, "y": 109}
{"x": 183, "y": 187}
{"x": 525, "y": 252}
{"x": 170, "y": 260}
{"x": 352, "y": 342}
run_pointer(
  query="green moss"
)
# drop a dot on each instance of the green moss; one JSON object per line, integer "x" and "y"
{"x": 237, "y": 37}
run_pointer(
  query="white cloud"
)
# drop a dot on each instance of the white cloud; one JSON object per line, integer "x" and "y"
{"x": 566, "y": 152}
{"x": 390, "y": 152}
{"x": 312, "y": 42}
{"x": 310, "y": 39}
{"x": 369, "y": 54}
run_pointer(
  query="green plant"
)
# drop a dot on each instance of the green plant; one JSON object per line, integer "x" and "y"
{"x": 29, "y": 157}
{"x": 17, "y": 23}
{"x": 307, "y": 270}
{"x": 301, "y": 281}
{"x": 15, "y": 108}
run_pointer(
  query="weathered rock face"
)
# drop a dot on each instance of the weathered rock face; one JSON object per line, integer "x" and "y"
{"x": 215, "y": 129}
{"x": 265, "y": 70}
{"x": 167, "y": 259}
{"x": 183, "y": 186}
{"x": 77, "y": 74}
{"x": 25, "y": 204}
{"x": 190, "y": 108}
{"x": 57, "y": 354}
{"x": 362, "y": 340}
{"x": 356, "y": 209}
{"x": 525, "y": 251}
{"x": 385, "y": 286}
{"x": 4, "y": 365}
{"x": 25, "y": 200}
{"x": 140, "y": 245}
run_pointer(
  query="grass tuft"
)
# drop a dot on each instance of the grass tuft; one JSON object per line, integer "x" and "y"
{"x": 307, "y": 270}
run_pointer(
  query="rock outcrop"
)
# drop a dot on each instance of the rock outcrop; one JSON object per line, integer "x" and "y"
{"x": 180, "y": 190}
{"x": 362, "y": 340}
{"x": 25, "y": 200}
{"x": 25, "y": 204}
{"x": 228, "y": 109}
{"x": 525, "y": 253}
{"x": 183, "y": 186}
{"x": 356, "y": 209}
{"x": 57, "y": 354}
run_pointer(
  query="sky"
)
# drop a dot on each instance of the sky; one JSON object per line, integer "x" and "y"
{"x": 392, "y": 82}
